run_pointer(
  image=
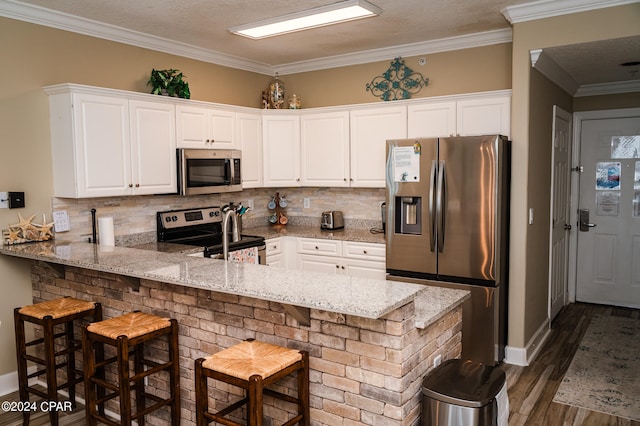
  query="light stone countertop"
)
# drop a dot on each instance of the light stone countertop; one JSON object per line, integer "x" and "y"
{"x": 369, "y": 298}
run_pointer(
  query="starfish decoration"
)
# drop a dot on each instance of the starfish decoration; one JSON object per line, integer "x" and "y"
{"x": 46, "y": 229}
{"x": 25, "y": 224}
{"x": 14, "y": 234}
{"x": 25, "y": 231}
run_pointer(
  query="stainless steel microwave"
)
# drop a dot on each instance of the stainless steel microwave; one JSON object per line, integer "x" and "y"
{"x": 208, "y": 171}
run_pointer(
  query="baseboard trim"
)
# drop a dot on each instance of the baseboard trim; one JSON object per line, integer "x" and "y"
{"x": 9, "y": 381}
{"x": 523, "y": 356}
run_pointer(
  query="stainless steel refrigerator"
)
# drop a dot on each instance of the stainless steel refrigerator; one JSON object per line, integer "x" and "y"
{"x": 448, "y": 226}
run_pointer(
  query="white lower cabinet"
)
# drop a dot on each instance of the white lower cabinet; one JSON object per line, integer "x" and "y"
{"x": 341, "y": 257}
{"x": 274, "y": 252}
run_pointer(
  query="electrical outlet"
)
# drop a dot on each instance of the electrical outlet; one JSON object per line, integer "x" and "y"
{"x": 306, "y": 203}
{"x": 4, "y": 200}
{"x": 250, "y": 204}
{"x": 437, "y": 360}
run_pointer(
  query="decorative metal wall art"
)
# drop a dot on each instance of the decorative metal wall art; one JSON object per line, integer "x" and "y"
{"x": 398, "y": 82}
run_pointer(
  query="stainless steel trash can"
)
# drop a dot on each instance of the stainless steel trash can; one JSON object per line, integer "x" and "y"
{"x": 461, "y": 393}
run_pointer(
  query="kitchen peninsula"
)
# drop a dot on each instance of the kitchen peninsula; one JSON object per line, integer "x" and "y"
{"x": 370, "y": 341}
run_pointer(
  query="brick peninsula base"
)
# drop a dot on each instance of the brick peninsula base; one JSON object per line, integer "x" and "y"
{"x": 363, "y": 371}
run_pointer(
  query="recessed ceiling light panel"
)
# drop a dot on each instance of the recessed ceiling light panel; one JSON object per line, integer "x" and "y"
{"x": 312, "y": 18}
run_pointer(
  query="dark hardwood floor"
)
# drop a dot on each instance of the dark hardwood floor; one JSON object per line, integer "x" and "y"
{"x": 531, "y": 389}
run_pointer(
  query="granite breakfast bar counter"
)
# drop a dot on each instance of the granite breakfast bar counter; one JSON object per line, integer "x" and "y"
{"x": 370, "y": 342}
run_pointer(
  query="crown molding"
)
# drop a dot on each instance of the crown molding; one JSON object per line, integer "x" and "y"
{"x": 412, "y": 49}
{"x": 549, "y": 8}
{"x": 554, "y": 72}
{"x": 50, "y": 18}
{"x": 63, "y": 21}
{"x": 630, "y": 86}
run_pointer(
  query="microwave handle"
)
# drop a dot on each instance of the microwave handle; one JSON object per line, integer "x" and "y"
{"x": 228, "y": 171}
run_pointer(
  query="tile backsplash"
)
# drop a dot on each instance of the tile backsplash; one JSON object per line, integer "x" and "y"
{"x": 135, "y": 217}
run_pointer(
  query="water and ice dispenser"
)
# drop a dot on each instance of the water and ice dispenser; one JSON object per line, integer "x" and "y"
{"x": 408, "y": 215}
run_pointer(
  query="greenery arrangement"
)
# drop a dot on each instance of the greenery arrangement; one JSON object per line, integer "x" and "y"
{"x": 169, "y": 83}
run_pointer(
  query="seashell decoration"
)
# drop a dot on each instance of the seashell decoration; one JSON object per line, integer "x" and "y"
{"x": 26, "y": 231}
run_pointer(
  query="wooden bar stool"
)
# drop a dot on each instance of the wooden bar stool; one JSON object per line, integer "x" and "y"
{"x": 61, "y": 314}
{"x": 128, "y": 334}
{"x": 252, "y": 366}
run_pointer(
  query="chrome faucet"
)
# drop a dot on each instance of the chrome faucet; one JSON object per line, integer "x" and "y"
{"x": 235, "y": 234}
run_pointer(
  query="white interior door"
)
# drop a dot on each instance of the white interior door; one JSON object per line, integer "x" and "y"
{"x": 608, "y": 253}
{"x": 560, "y": 204}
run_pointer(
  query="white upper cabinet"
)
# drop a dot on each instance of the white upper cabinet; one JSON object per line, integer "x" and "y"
{"x": 484, "y": 116}
{"x": 370, "y": 129}
{"x": 431, "y": 119}
{"x": 472, "y": 116}
{"x": 153, "y": 147}
{"x": 201, "y": 127}
{"x": 249, "y": 131}
{"x": 325, "y": 149}
{"x": 106, "y": 146}
{"x": 281, "y": 150}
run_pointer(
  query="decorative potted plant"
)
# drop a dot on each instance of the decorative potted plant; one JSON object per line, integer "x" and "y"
{"x": 169, "y": 83}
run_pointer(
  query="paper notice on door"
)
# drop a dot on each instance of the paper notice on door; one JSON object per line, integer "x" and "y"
{"x": 607, "y": 203}
{"x": 608, "y": 176}
{"x": 406, "y": 164}
{"x": 625, "y": 146}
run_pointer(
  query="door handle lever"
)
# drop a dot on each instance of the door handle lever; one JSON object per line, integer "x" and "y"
{"x": 583, "y": 222}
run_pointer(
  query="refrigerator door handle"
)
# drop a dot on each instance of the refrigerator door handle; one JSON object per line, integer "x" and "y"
{"x": 441, "y": 200}
{"x": 432, "y": 202}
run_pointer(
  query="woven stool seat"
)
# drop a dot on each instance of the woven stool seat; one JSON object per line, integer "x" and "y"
{"x": 131, "y": 325}
{"x": 125, "y": 378}
{"x": 252, "y": 357}
{"x": 253, "y": 366}
{"x": 57, "y": 308}
{"x": 54, "y": 351}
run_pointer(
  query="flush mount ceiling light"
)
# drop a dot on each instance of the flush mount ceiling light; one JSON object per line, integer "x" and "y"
{"x": 312, "y": 18}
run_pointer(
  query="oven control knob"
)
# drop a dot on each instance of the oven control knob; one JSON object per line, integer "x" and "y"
{"x": 174, "y": 218}
{"x": 167, "y": 219}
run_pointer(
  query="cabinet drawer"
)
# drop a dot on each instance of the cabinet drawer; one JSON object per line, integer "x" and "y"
{"x": 274, "y": 246}
{"x": 319, "y": 247}
{"x": 365, "y": 251}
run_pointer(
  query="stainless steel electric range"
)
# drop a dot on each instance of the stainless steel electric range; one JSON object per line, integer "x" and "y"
{"x": 202, "y": 227}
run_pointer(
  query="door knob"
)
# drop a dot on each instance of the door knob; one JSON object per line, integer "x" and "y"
{"x": 567, "y": 227}
{"x": 583, "y": 220}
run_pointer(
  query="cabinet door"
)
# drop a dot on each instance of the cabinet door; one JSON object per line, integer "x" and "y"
{"x": 222, "y": 129}
{"x": 192, "y": 127}
{"x": 250, "y": 138}
{"x": 484, "y": 116}
{"x": 370, "y": 130}
{"x": 431, "y": 120}
{"x": 103, "y": 152}
{"x": 281, "y": 150}
{"x": 327, "y": 265}
{"x": 364, "y": 268}
{"x": 324, "y": 149}
{"x": 153, "y": 147}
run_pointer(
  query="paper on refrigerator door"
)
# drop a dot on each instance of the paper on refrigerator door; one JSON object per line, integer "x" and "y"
{"x": 406, "y": 164}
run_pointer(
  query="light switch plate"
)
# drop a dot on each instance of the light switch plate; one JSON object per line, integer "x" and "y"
{"x": 4, "y": 200}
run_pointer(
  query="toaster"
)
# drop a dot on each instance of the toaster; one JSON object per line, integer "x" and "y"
{"x": 332, "y": 220}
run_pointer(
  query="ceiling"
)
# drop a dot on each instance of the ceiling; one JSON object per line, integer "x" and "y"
{"x": 198, "y": 29}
